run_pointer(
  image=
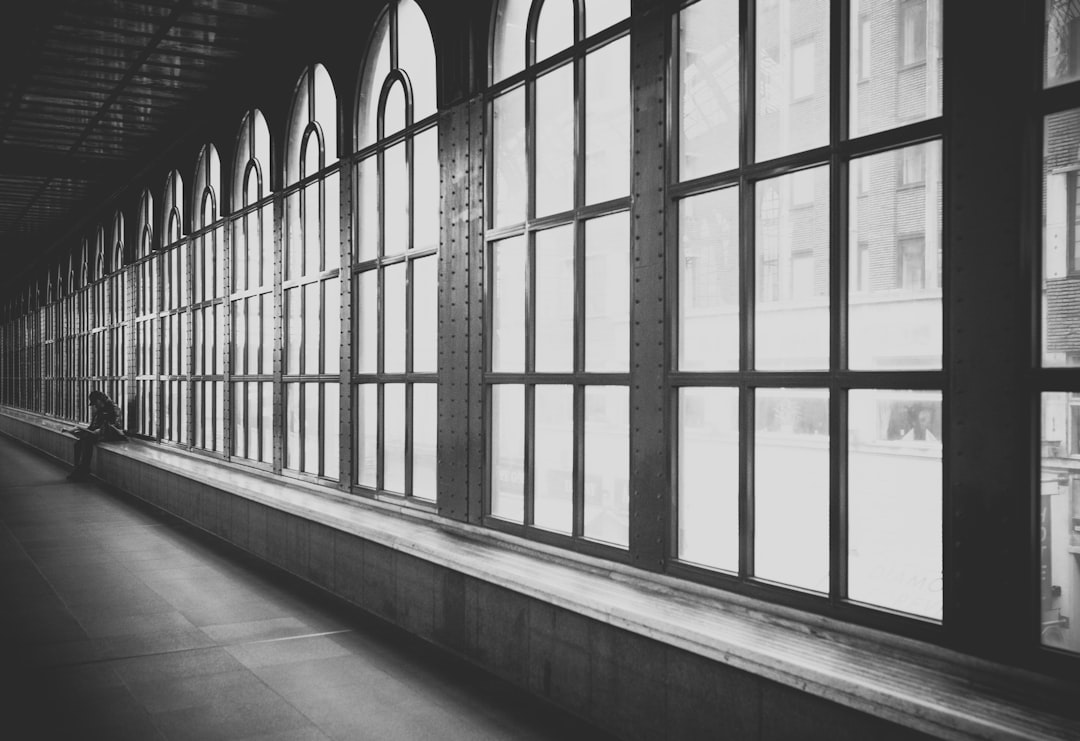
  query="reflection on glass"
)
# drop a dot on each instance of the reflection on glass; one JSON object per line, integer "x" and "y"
{"x": 555, "y": 141}
{"x": 332, "y": 219}
{"x": 1059, "y": 521}
{"x": 555, "y": 300}
{"x": 896, "y": 63}
{"x": 607, "y": 293}
{"x": 553, "y": 468}
{"x": 708, "y": 88}
{"x": 607, "y": 123}
{"x": 326, "y": 111}
{"x": 1061, "y": 239}
{"x": 294, "y": 243}
{"x": 240, "y": 365}
{"x": 509, "y": 46}
{"x": 394, "y": 318}
{"x": 255, "y": 414}
{"x": 311, "y": 207}
{"x": 367, "y": 322}
{"x": 294, "y": 329}
{"x": 312, "y": 428}
{"x": 367, "y": 188}
{"x": 895, "y": 260}
{"x": 792, "y": 85}
{"x": 426, "y": 190}
{"x": 792, "y": 271}
{"x": 607, "y": 464}
{"x": 396, "y": 205}
{"x": 313, "y": 325}
{"x": 508, "y": 452}
{"x": 394, "y": 437}
{"x": 709, "y": 281}
{"x": 425, "y": 311}
{"x": 791, "y": 487}
{"x": 709, "y": 477}
{"x": 599, "y": 14}
{"x": 267, "y": 409}
{"x": 508, "y": 259}
{"x": 425, "y": 440}
{"x": 508, "y": 124}
{"x": 330, "y": 429}
{"x": 894, "y": 500}
{"x": 367, "y": 434}
{"x": 331, "y": 326}
{"x": 554, "y": 28}
{"x": 292, "y": 426}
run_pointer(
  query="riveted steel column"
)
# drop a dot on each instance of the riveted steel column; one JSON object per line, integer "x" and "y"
{"x": 988, "y": 517}
{"x": 279, "y": 333}
{"x": 650, "y": 482}
{"x": 460, "y": 449}
{"x": 345, "y": 277}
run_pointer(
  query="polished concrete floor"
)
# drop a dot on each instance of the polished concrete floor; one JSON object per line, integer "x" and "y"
{"x": 117, "y": 622}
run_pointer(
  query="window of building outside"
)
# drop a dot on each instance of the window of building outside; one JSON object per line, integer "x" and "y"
{"x": 912, "y": 258}
{"x": 311, "y": 284}
{"x": 770, "y": 400}
{"x": 251, "y": 297}
{"x": 395, "y": 269}
{"x": 558, "y": 243}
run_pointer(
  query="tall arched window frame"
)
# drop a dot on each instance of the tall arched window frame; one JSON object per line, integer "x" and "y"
{"x": 115, "y": 384}
{"x": 558, "y": 245}
{"x": 208, "y": 305}
{"x": 97, "y": 300}
{"x": 396, "y": 263}
{"x": 252, "y": 297}
{"x": 312, "y": 284}
{"x": 143, "y": 418}
{"x": 174, "y": 320}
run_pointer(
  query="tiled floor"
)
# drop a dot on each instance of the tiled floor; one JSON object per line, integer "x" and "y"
{"x": 119, "y": 623}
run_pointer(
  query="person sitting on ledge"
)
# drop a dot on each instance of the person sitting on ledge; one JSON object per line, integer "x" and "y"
{"x": 103, "y": 428}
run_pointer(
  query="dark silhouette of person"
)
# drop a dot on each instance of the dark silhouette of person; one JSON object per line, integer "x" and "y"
{"x": 103, "y": 428}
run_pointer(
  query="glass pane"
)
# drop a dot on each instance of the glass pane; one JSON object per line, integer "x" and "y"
{"x": 394, "y": 112}
{"x": 331, "y": 429}
{"x": 267, "y": 234}
{"x": 708, "y": 88}
{"x": 240, "y": 254}
{"x": 239, "y": 323}
{"x": 425, "y": 441}
{"x": 367, "y": 322}
{"x": 267, "y": 318}
{"x": 294, "y": 329}
{"x": 895, "y": 252}
{"x": 599, "y": 14}
{"x": 896, "y": 63}
{"x": 425, "y": 314}
{"x": 792, "y": 77}
{"x": 555, "y": 300}
{"x": 332, "y": 214}
{"x": 313, "y": 231}
{"x": 894, "y": 500}
{"x": 396, "y": 206}
{"x": 553, "y": 467}
{"x": 367, "y": 188}
{"x": 508, "y": 452}
{"x": 555, "y": 141}
{"x": 1059, "y": 521}
{"x": 292, "y": 426}
{"x": 294, "y": 244}
{"x": 791, "y": 487}
{"x": 254, "y": 411}
{"x": 367, "y": 434}
{"x": 709, "y": 477}
{"x": 326, "y": 113}
{"x": 607, "y": 122}
{"x": 508, "y": 260}
{"x": 607, "y": 464}
{"x": 394, "y": 318}
{"x": 239, "y": 419}
{"x": 331, "y": 326}
{"x": 607, "y": 293}
{"x": 376, "y": 68}
{"x": 416, "y": 55}
{"x": 394, "y": 437}
{"x": 312, "y": 161}
{"x": 426, "y": 190}
{"x": 509, "y": 190}
{"x": 709, "y": 281}
{"x": 312, "y": 429}
{"x": 555, "y": 27}
{"x": 792, "y": 264}
{"x": 510, "y": 21}
{"x": 313, "y": 326}
{"x": 267, "y": 408}
{"x": 1061, "y": 240}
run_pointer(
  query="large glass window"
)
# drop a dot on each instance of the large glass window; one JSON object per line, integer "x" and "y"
{"x": 312, "y": 285}
{"x": 559, "y": 249}
{"x": 251, "y": 297}
{"x": 146, "y": 324}
{"x": 174, "y": 319}
{"x": 395, "y": 269}
{"x": 781, "y": 444}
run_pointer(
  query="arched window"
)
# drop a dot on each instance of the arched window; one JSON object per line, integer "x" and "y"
{"x": 312, "y": 286}
{"x": 252, "y": 299}
{"x": 174, "y": 330}
{"x": 116, "y": 314}
{"x": 143, "y": 409}
{"x": 559, "y": 257}
{"x": 208, "y": 305}
{"x": 397, "y": 243}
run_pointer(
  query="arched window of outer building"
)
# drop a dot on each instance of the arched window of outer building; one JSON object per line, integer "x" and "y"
{"x": 397, "y": 186}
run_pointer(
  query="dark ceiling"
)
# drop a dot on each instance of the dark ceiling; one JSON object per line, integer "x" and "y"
{"x": 88, "y": 87}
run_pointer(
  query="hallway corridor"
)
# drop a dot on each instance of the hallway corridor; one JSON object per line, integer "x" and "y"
{"x": 117, "y": 622}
